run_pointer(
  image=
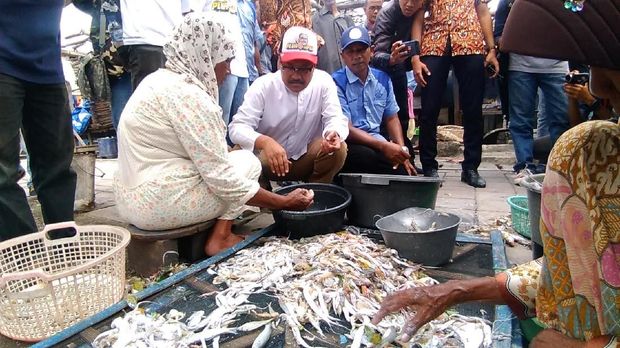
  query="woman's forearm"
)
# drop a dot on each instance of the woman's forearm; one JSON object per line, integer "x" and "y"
{"x": 485, "y": 289}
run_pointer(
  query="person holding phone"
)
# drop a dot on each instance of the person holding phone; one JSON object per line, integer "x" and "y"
{"x": 459, "y": 34}
{"x": 391, "y": 55}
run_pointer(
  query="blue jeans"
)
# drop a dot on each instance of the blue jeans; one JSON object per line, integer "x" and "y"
{"x": 541, "y": 130}
{"x": 121, "y": 91}
{"x": 522, "y": 89}
{"x": 231, "y": 94}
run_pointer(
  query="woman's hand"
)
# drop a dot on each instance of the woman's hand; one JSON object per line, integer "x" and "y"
{"x": 428, "y": 302}
{"x": 299, "y": 199}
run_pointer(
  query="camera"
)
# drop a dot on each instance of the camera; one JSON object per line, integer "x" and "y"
{"x": 577, "y": 78}
{"x": 414, "y": 47}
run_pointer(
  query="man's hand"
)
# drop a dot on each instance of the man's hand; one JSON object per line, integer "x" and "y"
{"x": 330, "y": 143}
{"x": 399, "y": 53}
{"x": 277, "y": 157}
{"x": 299, "y": 199}
{"x": 394, "y": 153}
{"x": 491, "y": 59}
{"x": 580, "y": 93}
{"x": 410, "y": 168}
{"x": 419, "y": 71}
{"x": 425, "y": 301}
{"x": 549, "y": 338}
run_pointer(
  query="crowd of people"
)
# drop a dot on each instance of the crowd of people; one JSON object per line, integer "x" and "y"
{"x": 206, "y": 128}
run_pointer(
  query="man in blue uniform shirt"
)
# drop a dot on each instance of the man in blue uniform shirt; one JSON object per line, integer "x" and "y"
{"x": 33, "y": 97}
{"x": 367, "y": 99}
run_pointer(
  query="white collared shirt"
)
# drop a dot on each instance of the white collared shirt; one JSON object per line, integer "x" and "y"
{"x": 292, "y": 119}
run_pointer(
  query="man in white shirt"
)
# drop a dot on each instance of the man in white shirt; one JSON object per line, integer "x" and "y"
{"x": 292, "y": 118}
{"x": 146, "y": 26}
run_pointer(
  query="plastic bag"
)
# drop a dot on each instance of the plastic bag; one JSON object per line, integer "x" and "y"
{"x": 81, "y": 117}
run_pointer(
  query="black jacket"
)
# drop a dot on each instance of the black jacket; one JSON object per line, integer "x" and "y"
{"x": 391, "y": 26}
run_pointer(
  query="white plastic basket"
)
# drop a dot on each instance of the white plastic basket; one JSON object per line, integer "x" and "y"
{"x": 47, "y": 285}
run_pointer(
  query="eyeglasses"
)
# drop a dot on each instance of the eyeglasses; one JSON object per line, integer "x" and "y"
{"x": 300, "y": 70}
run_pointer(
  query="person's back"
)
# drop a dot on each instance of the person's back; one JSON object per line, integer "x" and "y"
{"x": 147, "y": 141}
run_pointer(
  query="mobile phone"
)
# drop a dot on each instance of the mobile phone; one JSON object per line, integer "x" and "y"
{"x": 490, "y": 70}
{"x": 577, "y": 78}
{"x": 414, "y": 47}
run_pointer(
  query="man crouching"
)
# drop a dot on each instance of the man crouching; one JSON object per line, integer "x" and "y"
{"x": 292, "y": 118}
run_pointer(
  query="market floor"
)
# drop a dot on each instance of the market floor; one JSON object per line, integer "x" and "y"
{"x": 480, "y": 209}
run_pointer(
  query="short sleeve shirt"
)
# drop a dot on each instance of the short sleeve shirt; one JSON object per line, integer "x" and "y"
{"x": 367, "y": 104}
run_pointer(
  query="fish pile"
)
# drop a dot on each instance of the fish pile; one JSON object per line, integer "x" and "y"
{"x": 334, "y": 281}
{"x": 323, "y": 278}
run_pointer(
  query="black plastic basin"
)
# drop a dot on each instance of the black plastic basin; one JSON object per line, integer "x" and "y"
{"x": 375, "y": 195}
{"x": 421, "y": 235}
{"x": 325, "y": 215}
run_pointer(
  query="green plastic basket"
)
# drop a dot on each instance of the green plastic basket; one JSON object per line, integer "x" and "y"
{"x": 520, "y": 215}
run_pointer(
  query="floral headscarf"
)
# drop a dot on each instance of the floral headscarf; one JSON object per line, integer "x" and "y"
{"x": 200, "y": 42}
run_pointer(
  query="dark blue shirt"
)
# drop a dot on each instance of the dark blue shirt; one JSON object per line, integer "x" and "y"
{"x": 30, "y": 40}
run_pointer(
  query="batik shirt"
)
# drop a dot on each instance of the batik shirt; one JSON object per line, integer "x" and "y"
{"x": 454, "y": 20}
{"x": 575, "y": 288}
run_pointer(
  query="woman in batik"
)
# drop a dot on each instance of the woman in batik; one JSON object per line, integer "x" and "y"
{"x": 174, "y": 165}
{"x": 574, "y": 289}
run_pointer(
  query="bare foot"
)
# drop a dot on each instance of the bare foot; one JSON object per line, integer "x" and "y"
{"x": 221, "y": 238}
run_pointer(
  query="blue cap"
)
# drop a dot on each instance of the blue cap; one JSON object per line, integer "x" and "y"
{"x": 353, "y": 35}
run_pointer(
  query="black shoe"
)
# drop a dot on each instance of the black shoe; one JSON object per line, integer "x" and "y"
{"x": 472, "y": 178}
{"x": 431, "y": 173}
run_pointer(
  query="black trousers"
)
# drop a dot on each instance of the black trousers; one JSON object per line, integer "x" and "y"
{"x": 42, "y": 111}
{"x": 502, "y": 83}
{"x": 399, "y": 82}
{"x": 469, "y": 71}
{"x": 364, "y": 159}
{"x": 143, "y": 60}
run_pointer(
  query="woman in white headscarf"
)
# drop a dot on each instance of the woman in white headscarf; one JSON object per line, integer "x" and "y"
{"x": 174, "y": 166}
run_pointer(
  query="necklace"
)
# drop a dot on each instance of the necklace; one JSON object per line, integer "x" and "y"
{"x": 574, "y": 5}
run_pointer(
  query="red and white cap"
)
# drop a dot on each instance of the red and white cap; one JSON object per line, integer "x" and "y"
{"x": 299, "y": 43}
